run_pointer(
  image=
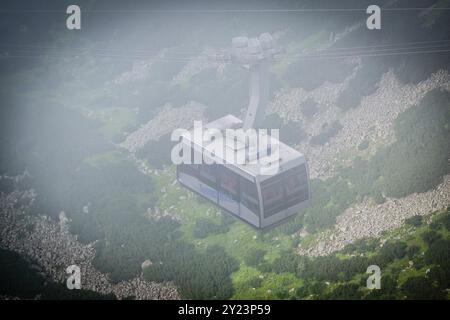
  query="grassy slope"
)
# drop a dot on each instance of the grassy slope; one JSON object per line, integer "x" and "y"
{"x": 251, "y": 283}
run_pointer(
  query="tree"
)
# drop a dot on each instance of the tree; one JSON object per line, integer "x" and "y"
{"x": 412, "y": 250}
{"x": 419, "y": 288}
{"x": 254, "y": 257}
{"x": 438, "y": 253}
{"x": 204, "y": 227}
{"x": 415, "y": 221}
{"x": 390, "y": 251}
{"x": 388, "y": 289}
{"x": 196, "y": 275}
{"x": 347, "y": 291}
{"x": 430, "y": 237}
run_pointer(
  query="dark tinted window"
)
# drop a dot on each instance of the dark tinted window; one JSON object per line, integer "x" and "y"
{"x": 208, "y": 174}
{"x": 273, "y": 196}
{"x": 190, "y": 169}
{"x": 249, "y": 195}
{"x": 229, "y": 182}
{"x": 296, "y": 185}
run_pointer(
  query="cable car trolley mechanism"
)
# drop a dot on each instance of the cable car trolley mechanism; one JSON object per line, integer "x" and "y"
{"x": 250, "y": 190}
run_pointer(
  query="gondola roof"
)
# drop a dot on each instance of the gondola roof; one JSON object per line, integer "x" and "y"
{"x": 287, "y": 155}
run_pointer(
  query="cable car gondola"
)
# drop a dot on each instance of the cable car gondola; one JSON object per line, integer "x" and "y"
{"x": 244, "y": 190}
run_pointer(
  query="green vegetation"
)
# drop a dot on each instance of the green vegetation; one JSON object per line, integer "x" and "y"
{"x": 198, "y": 276}
{"x": 60, "y": 128}
{"x": 157, "y": 152}
{"x": 269, "y": 269}
{"x": 255, "y": 257}
{"x": 415, "y": 162}
{"x": 204, "y": 227}
{"x": 423, "y": 274}
{"x": 106, "y": 198}
{"x": 419, "y": 157}
{"x": 415, "y": 221}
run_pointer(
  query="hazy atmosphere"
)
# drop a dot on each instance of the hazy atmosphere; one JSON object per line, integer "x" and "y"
{"x": 87, "y": 180}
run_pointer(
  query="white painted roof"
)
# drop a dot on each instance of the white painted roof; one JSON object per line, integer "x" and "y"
{"x": 289, "y": 157}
